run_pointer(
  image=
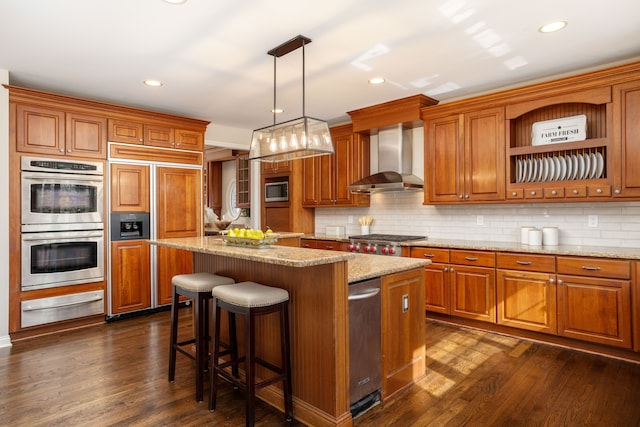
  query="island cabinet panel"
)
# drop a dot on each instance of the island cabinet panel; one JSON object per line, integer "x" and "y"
{"x": 596, "y": 305}
{"x": 130, "y": 276}
{"x": 403, "y": 329}
{"x": 318, "y": 315}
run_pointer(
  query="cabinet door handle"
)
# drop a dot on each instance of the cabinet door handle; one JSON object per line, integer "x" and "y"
{"x": 560, "y": 281}
{"x": 471, "y": 258}
{"x": 428, "y": 255}
{"x": 551, "y": 280}
{"x": 524, "y": 262}
{"x": 452, "y": 270}
{"x": 460, "y": 196}
{"x": 590, "y": 268}
{"x": 446, "y": 269}
{"x": 329, "y": 247}
{"x": 466, "y": 196}
{"x": 617, "y": 191}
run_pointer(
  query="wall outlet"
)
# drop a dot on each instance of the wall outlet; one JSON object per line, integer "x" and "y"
{"x": 593, "y": 220}
{"x": 350, "y": 219}
{"x": 479, "y": 220}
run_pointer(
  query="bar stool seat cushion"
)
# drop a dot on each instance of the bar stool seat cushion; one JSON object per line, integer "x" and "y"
{"x": 250, "y": 294}
{"x": 200, "y": 282}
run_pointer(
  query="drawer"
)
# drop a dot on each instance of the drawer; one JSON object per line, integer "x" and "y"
{"x": 526, "y": 262}
{"x": 594, "y": 267}
{"x": 554, "y": 193}
{"x": 515, "y": 193}
{"x": 533, "y": 193}
{"x": 435, "y": 255}
{"x": 330, "y": 245}
{"x": 579, "y": 191}
{"x": 308, "y": 243}
{"x": 599, "y": 190}
{"x": 478, "y": 258}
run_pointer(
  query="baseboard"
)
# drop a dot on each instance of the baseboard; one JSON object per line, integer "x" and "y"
{"x": 5, "y": 341}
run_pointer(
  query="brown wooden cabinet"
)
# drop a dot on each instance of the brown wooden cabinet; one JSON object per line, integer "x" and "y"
{"x": 269, "y": 168}
{"x": 178, "y": 213}
{"x": 129, "y": 188}
{"x": 594, "y": 300}
{"x": 626, "y": 137}
{"x": 156, "y": 135}
{"x": 473, "y": 285}
{"x": 47, "y": 130}
{"x": 437, "y": 291}
{"x": 464, "y": 156}
{"x": 243, "y": 182}
{"x": 130, "y": 276}
{"x": 329, "y": 245}
{"x": 526, "y": 291}
{"x": 326, "y": 178}
{"x": 403, "y": 329}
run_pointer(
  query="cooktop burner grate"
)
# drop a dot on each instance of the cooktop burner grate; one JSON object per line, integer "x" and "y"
{"x": 386, "y": 237}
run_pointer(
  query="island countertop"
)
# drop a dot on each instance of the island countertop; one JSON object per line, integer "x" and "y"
{"x": 360, "y": 266}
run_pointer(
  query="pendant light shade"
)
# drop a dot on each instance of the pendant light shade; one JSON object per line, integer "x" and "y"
{"x": 294, "y": 139}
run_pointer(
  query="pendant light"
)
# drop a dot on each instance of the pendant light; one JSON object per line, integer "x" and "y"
{"x": 294, "y": 139}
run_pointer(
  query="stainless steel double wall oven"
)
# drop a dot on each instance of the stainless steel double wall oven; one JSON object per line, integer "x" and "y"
{"x": 62, "y": 235}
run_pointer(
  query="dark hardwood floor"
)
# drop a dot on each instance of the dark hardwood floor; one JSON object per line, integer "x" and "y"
{"x": 116, "y": 375}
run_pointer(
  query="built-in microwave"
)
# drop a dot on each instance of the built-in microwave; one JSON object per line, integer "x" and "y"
{"x": 276, "y": 191}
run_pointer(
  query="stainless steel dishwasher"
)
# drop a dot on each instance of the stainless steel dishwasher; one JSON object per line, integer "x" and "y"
{"x": 365, "y": 352}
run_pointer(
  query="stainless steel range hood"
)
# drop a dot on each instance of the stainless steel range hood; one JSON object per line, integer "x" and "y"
{"x": 395, "y": 146}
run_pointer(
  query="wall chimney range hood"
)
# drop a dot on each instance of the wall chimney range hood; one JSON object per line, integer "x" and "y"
{"x": 393, "y": 121}
{"x": 394, "y": 161}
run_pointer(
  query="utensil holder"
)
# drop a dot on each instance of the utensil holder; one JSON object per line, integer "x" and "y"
{"x": 364, "y": 229}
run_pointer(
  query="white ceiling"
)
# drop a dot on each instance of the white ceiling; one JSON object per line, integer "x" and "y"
{"x": 212, "y": 54}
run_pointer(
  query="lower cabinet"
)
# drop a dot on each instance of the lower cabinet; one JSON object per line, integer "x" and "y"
{"x": 526, "y": 292}
{"x": 328, "y": 245}
{"x": 473, "y": 285}
{"x": 171, "y": 262}
{"x": 403, "y": 330}
{"x": 130, "y": 276}
{"x": 595, "y": 306}
{"x": 437, "y": 294}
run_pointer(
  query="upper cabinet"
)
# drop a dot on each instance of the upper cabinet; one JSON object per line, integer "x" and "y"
{"x": 138, "y": 132}
{"x": 464, "y": 157}
{"x": 326, "y": 178}
{"x": 42, "y": 129}
{"x": 484, "y": 149}
{"x": 243, "y": 181}
{"x": 626, "y": 134}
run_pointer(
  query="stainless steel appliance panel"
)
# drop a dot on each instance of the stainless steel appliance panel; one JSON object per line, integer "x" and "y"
{"x": 365, "y": 348}
{"x": 65, "y": 307}
{"x": 56, "y": 194}
{"x": 59, "y": 258}
{"x": 130, "y": 226}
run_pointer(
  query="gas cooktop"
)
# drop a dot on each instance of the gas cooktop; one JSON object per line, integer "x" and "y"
{"x": 386, "y": 237}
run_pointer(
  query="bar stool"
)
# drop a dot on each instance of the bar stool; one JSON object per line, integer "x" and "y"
{"x": 252, "y": 299}
{"x": 198, "y": 287}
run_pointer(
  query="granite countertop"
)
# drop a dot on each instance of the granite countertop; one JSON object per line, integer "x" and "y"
{"x": 572, "y": 250}
{"x": 280, "y": 255}
{"x": 359, "y": 267}
{"x": 364, "y": 267}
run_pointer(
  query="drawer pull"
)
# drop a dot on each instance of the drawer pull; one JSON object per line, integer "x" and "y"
{"x": 554, "y": 192}
{"x": 587, "y": 267}
{"x": 524, "y": 262}
{"x": 428, "y": 255}
{"x": 575, "y": 191}
{"x": 471, "y": 258}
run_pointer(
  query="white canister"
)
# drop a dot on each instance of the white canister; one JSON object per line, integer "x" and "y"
{"x": 535, "y": 237}
{"x": 364, "y": 229}
{"x": 524, "y": 235}
{"x": 550, "y": 236}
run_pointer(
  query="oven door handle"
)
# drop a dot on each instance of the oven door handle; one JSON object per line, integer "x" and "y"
{"x": 51, "y": 178}
{"x": 65, "y": 304}
{"x": 61, "y": 236}
{"x": 364, "y": 295}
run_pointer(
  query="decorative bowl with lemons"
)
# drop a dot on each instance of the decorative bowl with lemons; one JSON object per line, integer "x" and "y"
{"x": 250, "y": 238}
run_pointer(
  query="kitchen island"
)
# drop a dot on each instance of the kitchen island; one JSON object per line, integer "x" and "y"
{"x": 317, "y": 282}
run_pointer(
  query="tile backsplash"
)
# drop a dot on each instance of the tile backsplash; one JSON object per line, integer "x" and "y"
{"x": 591, "y": 224}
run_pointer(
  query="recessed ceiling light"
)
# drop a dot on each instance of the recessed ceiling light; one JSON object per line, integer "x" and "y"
{"x": 376, "y": 80}
{"x": 277, "y": 111}
{"x": 176, "y": 1}
{"x": 553, "y": 26}
{"x": 153, "y": 83}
